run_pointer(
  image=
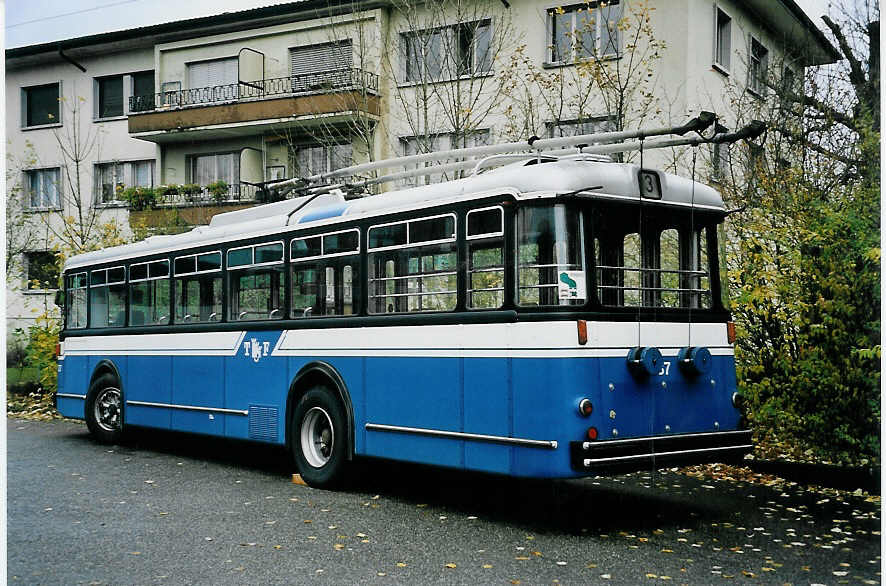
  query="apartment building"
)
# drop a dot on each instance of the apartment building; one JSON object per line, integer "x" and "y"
{"x": 212, "y": 108}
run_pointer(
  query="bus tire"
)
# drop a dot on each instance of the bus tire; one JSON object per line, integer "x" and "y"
{"x": 319, "y": 438}
{"x": 104, "y": 409}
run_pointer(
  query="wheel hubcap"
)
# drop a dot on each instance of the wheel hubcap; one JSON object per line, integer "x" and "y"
{"x": 108, "y": 408}
{"x": 317, "y": 437}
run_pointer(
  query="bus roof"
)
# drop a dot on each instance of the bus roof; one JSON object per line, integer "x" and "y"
{"x": 524, "y": 180}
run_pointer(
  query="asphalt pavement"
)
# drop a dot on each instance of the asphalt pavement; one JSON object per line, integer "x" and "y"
{"x": 176, "y": 509}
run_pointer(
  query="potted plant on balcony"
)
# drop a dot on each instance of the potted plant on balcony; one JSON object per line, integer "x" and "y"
{"x": 139, "y": 198}
{"x": 218, "y": 190}
{"x": 192, "y": 192}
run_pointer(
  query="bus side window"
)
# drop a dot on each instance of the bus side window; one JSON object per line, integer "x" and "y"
{"x": 305, "y": 289}
{"x": 75, "y": 300}
{"x": 256, "y": 282}
{"x": 198, "y": 288}
{"x": 107, "y": 298}
{"x": 149, "y": 293}
{"x": 550, "y": 251}
{"x": 323, "y": 270}
{"x": 415, "y": 270}
{"x": 485, "y": 234}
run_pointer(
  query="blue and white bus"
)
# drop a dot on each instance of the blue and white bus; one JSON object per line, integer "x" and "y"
{"x": 552, "y": 318}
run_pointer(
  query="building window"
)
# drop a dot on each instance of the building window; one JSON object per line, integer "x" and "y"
{"x": 142, "y": 91}
{"x": 213, "y": 81}
{"x": 314, "y": 159}
{"x": 320, "y": 67}
{"x": 42, "y": 270}
{"x": 447, "y": 52}
{"x": 584, "y": 31}
{"x": 722, "y": 39}
{"x": 112, "y": 178}
{"x": 43, "y": 188}
{"x": 206, "y": 169}
{"x": 109, "y": 97}
{"x": 759, "y": 62}
{"x": 416, "y": 145}
{"x": 40, "y": 105}
{"x": 578, "y": 127}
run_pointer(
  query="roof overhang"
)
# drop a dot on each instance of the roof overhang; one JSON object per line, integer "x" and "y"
{"x": 797, "y": 32}
{"x": 148, "y": 36}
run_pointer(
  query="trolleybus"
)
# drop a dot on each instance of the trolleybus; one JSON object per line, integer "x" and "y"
{"x": 556, "y": 316}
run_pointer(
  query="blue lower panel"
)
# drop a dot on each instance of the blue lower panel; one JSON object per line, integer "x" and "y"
{"x": 415, "y": 392}
{"x": 488, "y": 411}
{"x": 71, "y": 407}
{"x": 199, "y": 382}
{"x": 155, "y": 387}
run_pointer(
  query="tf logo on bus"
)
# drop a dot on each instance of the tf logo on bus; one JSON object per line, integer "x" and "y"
{"x": 256, "y": 349}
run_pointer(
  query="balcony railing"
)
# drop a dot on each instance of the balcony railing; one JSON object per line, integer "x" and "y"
{"x": 307, "y": 83}
{"x": 238, "y": 193}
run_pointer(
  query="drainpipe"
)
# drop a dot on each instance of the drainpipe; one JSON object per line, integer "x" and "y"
{"x": 69, "y": 60}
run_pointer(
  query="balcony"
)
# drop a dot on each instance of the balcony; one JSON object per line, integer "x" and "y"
{"x": 178, "y": 210}
{"x": 245, "y": 108}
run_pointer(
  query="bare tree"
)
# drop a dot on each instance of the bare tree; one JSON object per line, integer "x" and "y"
{"x": 22, "y": 233}
{"x": 442, "y": 64}
{"x": 602, "y": 73}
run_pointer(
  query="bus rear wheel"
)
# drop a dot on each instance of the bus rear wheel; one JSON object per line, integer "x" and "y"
{"x": 104, "y": 409}
{"x": 319, "y": 438}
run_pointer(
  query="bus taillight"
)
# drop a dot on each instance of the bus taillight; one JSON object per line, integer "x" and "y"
{"x": 592, "y": 433}
{"x": 585, "y": 407}
{"x": 730, "y": 332}
{"x": 58, "y": 349}
{"x": 582, "y": 332}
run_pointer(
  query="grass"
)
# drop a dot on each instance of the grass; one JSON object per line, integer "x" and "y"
{"x": 19, "y": 375}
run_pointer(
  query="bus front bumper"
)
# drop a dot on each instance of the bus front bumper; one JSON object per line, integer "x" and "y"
{"x": 660, "y": 451}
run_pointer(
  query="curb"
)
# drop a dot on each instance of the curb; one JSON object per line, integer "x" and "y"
{"x": 843, "y": 478}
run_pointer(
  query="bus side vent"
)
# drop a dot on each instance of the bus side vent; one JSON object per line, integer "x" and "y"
{"x": 263, "y": 423}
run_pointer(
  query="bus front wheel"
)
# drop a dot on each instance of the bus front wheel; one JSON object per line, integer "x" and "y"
{"x": 319, "y": 438}
{"x": 104, "y": 409}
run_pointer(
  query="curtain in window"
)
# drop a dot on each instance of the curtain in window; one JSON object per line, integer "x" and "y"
{"x": 43, "y": 188}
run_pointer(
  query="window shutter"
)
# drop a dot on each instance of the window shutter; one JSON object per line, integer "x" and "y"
{"x": 24, "y": 101}
{"x": 61, "y": 105}
{"x": 321, "y": 58}
{"x": 95, "y": 98}
{"x": 212, "y": 73}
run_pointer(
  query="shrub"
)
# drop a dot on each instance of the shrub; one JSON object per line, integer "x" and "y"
{"x": 140, "y": 198}
{"x": 218, "y": 190}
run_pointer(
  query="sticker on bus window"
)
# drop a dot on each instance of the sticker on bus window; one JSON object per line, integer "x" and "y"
{"x": 571, "y": 285}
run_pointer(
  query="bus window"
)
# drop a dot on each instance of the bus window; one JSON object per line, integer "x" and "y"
{"x": 198, "y": 288}
{"x": 325, "y": 285}
{"x": 669, "y": 277}
{"x": 75, "y": 300}
{"x": 663, "y": 265}
{"x": 698, "y": 280}
{"x": 631, "y": 274}
{"x": 550, "y": 256}
{"x": 149, "y": 293}
{"x": 107, "y": 298}
{"x": 419, "y": 275}
{"x": 486, "y": 274}
{"x": 256, "y": 277}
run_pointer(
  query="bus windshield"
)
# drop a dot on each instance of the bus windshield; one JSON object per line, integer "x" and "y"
{"x": 652, "y": 259}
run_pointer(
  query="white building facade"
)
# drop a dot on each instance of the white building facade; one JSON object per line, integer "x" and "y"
{"x": 196, "y": 115}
